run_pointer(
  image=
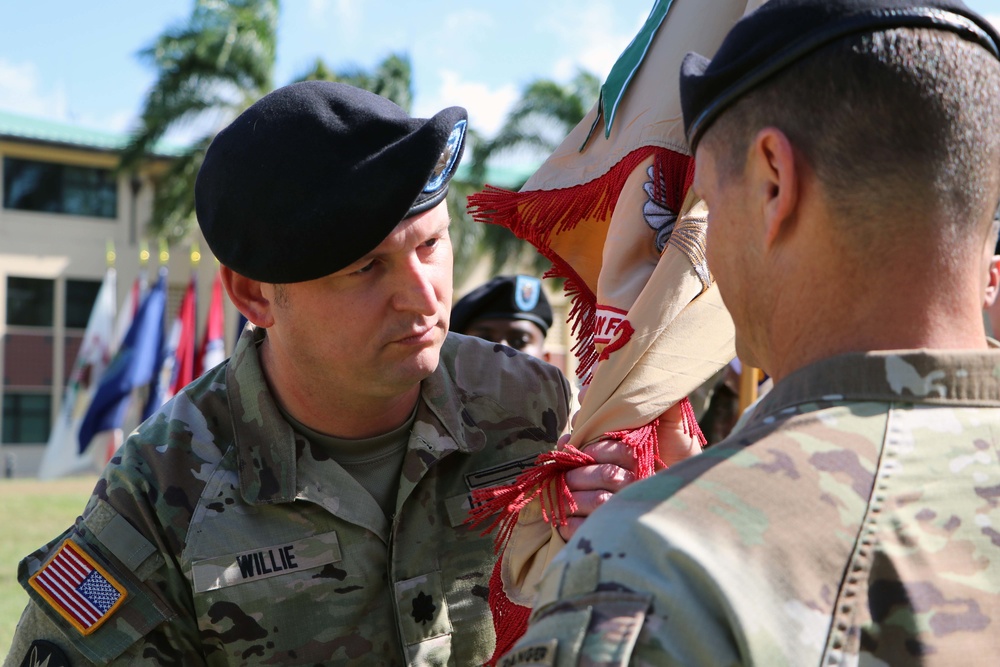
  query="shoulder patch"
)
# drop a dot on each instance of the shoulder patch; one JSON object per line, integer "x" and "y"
{"x": 77, "y": 588}
{"x": 44, "y": 654}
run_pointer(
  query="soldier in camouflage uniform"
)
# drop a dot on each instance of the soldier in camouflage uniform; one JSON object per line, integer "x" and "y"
{"x": 303, "y": 503}
{"x": 848, "y": 152}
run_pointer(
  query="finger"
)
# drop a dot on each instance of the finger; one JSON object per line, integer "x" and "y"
{"x": 612, "y": 451}
{"x": 598, "y": 477}
{"x": 675, "y": 445}
{"x": 567, "y": 531}
{"x": 588, "y": 501}
{"x": 562, "y": 441}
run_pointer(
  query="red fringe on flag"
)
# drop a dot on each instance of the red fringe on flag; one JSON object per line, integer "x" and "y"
{"x": 546, "y": 480}
{"x": 538, "y": 215}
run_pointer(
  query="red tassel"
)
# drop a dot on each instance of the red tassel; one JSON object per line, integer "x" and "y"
{"x": 546, "y": 481}
{"x": 690, "y": 422}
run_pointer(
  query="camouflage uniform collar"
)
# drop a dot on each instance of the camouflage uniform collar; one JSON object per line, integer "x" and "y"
{"x": 446, "y": 400}
{"x": 266, "y": 442}
{"x": 949, "y": 377}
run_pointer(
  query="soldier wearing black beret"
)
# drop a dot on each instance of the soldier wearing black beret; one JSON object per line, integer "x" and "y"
{"x": 305, "y": 501}
{"x": 509, "y": 310}
{"x": 848, "y": 153}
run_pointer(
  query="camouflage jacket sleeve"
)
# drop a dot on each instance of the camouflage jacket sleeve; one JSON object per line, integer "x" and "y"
{"x": 850, "y": 521}
{"x": 130, "y": 602}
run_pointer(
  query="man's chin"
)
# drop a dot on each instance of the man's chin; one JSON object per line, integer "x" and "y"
{"x": 422, "y": 363}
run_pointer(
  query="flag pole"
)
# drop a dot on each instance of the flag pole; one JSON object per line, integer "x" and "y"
{"x": 749, "y": 377}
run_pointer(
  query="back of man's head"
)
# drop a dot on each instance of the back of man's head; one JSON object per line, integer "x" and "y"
{"x": 900, "y": 124}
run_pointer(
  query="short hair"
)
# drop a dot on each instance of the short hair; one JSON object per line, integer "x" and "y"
{"x": 904, "y": 122}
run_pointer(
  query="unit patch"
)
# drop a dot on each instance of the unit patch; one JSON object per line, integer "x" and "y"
{"x": 44, "y": 654}
{"x": 79, "y": 589}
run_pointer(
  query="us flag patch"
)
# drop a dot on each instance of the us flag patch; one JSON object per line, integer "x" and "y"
{"x": 78, "y": 588}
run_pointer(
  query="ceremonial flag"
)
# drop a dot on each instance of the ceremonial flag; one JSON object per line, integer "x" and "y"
{"x": 177, "y": 367}
{"x": 130, "y": 304}
{"x": 241, "y": 324}
{"x": 611, "y": 209}
{"x": 133, "y": 366}
{"x": 213, "y": 344}
{"x": 62, "y": 453}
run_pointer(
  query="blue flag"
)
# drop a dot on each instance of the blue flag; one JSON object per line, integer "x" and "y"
{"x": 134, "y": 366}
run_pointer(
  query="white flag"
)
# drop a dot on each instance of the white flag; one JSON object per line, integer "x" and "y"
{"x": 62, "y": 454}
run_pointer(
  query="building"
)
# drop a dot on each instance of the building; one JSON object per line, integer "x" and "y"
{"x": 63, "y": 207}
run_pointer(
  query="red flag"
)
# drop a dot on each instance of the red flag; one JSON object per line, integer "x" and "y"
{"x": 182, "y": 337}
{"x": 213, "y": 348}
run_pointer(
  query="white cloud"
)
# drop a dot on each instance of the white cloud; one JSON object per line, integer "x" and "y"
{"x": 21, "y": 92}
{"x": 467, "y": 22}
{"x": 590, "y": 40}
{"x": 346, "y": 14}
{"x": 487, "y": 106}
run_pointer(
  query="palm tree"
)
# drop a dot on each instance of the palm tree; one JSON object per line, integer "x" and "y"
{"x": 392, "y": 78}
{"x": 215, "y": 65}
{"x": 217, "y": 62}
{"x": 546, "y": 112}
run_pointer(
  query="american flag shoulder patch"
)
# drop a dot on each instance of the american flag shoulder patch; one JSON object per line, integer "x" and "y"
{"x": 79, "y": 589}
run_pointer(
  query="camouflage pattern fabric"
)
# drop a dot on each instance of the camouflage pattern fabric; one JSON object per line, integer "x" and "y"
{"x": 853, "y": 520}
{"x": 238, "y": 542}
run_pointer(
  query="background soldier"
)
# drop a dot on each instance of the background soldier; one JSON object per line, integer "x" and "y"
{"x": 511, "y": 310}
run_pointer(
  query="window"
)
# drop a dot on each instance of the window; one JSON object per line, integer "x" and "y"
{"x": 48, "y": 187}
{"x": 30, "y": 301}
{"x": 80, "y": 297}
{"x": 26, "y": 418}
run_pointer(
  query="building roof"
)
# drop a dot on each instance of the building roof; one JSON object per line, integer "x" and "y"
{"x": 27, "y": 128}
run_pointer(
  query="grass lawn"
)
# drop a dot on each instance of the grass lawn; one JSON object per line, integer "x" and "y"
{"x": 33, "y": 513}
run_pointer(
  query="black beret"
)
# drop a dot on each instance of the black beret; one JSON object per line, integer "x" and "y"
{"x": 315, "y": 175}
{"x": 780, "y": 32}
{"x": 504, "y": 297}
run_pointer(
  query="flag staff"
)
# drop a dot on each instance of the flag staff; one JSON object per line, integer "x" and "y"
{"x": 749, "y": 378}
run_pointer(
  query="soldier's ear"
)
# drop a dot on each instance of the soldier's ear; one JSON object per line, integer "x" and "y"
{"x": 248, "y": 297}
{"x": 775, "y": 183}
{"x": 992, "y": 282}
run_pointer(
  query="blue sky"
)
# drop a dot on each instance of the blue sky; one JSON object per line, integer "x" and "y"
{"x": 76, "y": 61}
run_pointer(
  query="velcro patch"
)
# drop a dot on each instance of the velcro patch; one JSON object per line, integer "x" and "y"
{"x": 542, "y": 653}
{"x": 503, "y": 473}
{"x": 77, "y": 588}
{"x": 221, "y": 571}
